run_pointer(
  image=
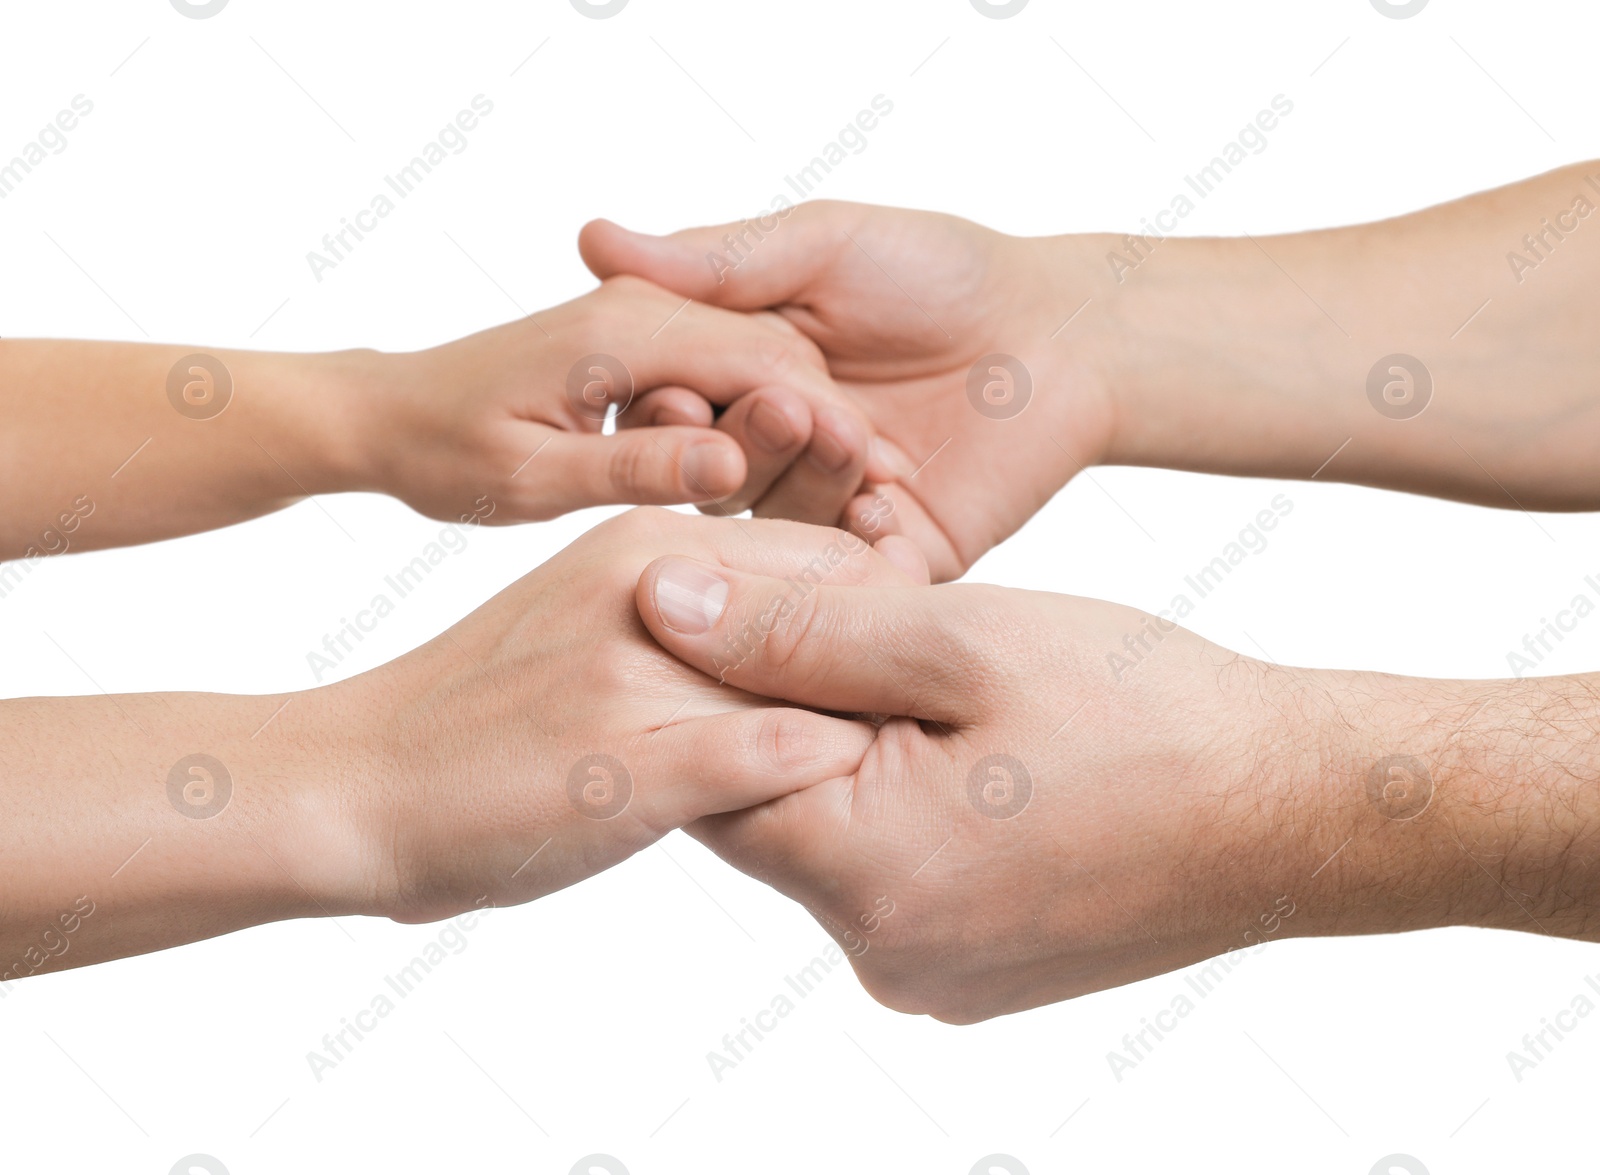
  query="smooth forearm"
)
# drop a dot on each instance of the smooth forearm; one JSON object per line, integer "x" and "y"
{"x": 1253, "y": 356}
{"x": 137, "y": 822}
{"x": 109, "y": 444}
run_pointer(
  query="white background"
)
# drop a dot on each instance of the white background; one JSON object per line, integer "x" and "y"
{"x": 183, "y": 209}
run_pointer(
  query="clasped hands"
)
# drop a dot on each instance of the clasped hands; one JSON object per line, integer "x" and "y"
{"x": 803, "y": 702}
{"x": 960, "y": 782}
{"x": 796, "y": 696}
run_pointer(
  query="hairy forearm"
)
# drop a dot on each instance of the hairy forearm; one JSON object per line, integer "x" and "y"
{"x": 107, "y": 444}
{"x": 137, "y": 822}
{"x": 1253, "y": 356}
{"x": 1434, "y": 803}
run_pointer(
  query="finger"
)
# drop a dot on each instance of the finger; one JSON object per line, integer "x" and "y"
{"x": 754, "y": 263}
{"x": 795, "y": 841}
{"x": 884, "y": 510}
{"x": 906, "y": 556}
{"x": 732, "y": 761}
{"x": 871, "y": 650}
{"x": 660, "y": 341}
{"x": 773, "y": 427}
{"x": 666, "y": 406}
{"x": 646, "y": 466}
{"x": 816, "y": 488}
{"x": 767, "y": 546}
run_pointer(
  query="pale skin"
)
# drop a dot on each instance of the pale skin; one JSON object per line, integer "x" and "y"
{"x": 108, "y": 444}
{"x": 1204, "y": 804}
{"x": 1169, "y": 813}
{"x": 1369, "y": 802}
{"x": 105, "y": 446}
{"x": 1233, "y": 356}
{"x": 437, "y": 784}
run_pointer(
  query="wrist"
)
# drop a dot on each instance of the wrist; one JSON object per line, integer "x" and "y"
{"x": 331, "y": 416}
{"x": 1210, "y": 357}
{"x": 332, "y": 817}
{"x": 1054, "y": 307}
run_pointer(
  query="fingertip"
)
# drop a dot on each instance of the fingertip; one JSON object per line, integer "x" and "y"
{"x": 870, "y": 514}
{"x": 712, "y": 468}
{"x": 669, "y": 407}
{"x": 682, "y": 597}
{"x": 906, "y": 557}
{"x": 887, "y": 461}
{"x": 683, "y": 416}
{"x": 838, "y": 443}
{"x": 750, "y": 757}
{"x": 594, "y": 240}
{"x": 779, "y": 421}
{"x": 600, "y": 242}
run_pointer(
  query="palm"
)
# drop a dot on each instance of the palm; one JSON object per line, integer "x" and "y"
{"x": 903, "y": 305}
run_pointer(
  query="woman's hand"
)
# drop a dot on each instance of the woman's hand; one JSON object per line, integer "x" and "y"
{"x": 547, "y": 737}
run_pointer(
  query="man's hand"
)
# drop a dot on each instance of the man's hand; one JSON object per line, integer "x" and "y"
{"x": 546, "y": 737}
{"x": 1415, "y": 353}
{"x": 1074, "y": 795}
{"x": 947, "y": 334}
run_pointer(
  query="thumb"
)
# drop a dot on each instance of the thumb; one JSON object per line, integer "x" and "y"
{"x": 750, "y": 264}
{"x": 658, "y": 466}
{"x": 912, "y": 651}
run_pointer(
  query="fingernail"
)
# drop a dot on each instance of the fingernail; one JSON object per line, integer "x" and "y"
{"x": 890, "y": 458}
{"x": 688, "y": 597}
{"x": 705, "y": 468}
{"x": 770, "y": 428}
{"x": 826, "y": 453}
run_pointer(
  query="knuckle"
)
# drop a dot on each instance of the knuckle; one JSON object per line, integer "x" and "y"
{"x": 647, "y": 519}
{"x": 633, "y": 467}
{"x": 779, "y": 354}
{"x": 790, "y": 631}
{"x": 784, "y": 741}
{"x": 641, "y": 526}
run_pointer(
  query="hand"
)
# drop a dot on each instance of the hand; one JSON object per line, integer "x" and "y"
{"x": 904, "y": 306}
{"x": 1030, "y": 829}
{"x": 546, "y": 737}
{"x": 513, "y": 414}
